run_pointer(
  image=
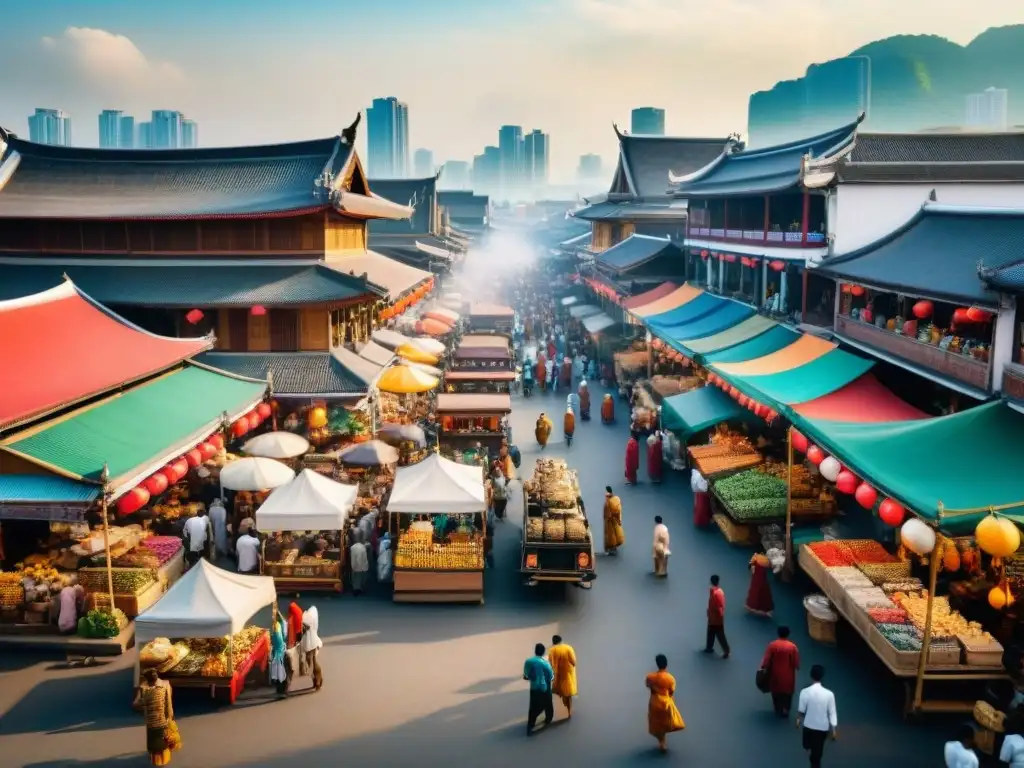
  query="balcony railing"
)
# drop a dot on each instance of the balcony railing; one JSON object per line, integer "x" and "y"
{"x": 792, "y": 239}
{"x": 1013, "y": 381}
{"x": 963, "y": 368}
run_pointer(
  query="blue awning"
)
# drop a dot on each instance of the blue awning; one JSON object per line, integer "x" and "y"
{"x": 696, "y": 308}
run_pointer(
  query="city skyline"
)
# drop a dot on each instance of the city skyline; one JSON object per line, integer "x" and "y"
{"x": 116, "y": 52}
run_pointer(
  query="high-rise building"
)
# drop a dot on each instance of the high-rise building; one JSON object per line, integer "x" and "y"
{"x": 126, "y": 134}
{"x": 455, "y": 174}
{"x": 110, "y": 128}
{"x": 649, "y": 121}
{"x": 423, "y": 163}
{"x": 387, "y": 136}
{"x": 589, "y": 168}
{"x": 510, "y": 147}
{"x": 536, "y": 153}
{"x": 487, "y": 172}
{"x": 145, "y": 138}
{"x": 166, "y": 129}
{"x": 189, "y": 134}
{"x": 49, "y": 126}
{"x": 987, "y": 110}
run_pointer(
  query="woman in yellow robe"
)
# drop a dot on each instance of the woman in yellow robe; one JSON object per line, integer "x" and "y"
{"x": 662, "y": 714}
{"x": 562, "y": 659}
{"x": 542, "y": 431}
{"x": 614, "y": 536}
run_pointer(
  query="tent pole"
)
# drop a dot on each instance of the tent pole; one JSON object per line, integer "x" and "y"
{"x": 105, "y": 476}
{"x": 933, "y": 572}
{"x": 789, "y": 504}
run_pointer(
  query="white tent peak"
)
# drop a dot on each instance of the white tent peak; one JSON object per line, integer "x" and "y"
{"x": 310, "y": 502}
{"x": 437, "y": 484}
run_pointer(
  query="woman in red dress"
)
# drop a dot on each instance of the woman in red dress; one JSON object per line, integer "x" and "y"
{"x": 654, "y": 457}
{"x": 759, "y": 596}
{"x": 781, "y": 662}
{"x": 632, "y": 460}
{"x": 566, "y": 373}
{"x": 607, "y": 410}
{"x": 541, "y": 371}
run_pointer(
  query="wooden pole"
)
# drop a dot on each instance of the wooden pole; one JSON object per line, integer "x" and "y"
{"x": 789, "y": 570}
{"x": 922, "y": 664}
{"x": 105, "y": 477}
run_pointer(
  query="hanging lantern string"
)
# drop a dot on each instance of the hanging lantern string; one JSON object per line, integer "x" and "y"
{"x": 993, "y": 509}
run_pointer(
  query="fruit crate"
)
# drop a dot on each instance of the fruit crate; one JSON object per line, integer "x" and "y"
{"x": 736, "y": 534}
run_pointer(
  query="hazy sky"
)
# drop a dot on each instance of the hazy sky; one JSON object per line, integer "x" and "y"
{"x": 253, "y": 71}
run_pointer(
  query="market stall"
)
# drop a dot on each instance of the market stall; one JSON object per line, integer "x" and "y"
{"x": 437, "y": 512}
{"x": 303, "y": 522}
{"x": 477, "y": 356}
{"x": 493, "y": 381}
{"x": 196, "y": 636}
{"x": 410, "y": 440}
{"x": 557, "y": 543}
{"x": 476, "y": 418}
{"x": 371, "y": 468}
{"x": 491, "y": 317}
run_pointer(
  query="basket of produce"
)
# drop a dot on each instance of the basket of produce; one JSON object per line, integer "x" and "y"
{"x": 12, "y": 593}
{"x": 881, "y": 573}
{"x": 534, "y": 529}
{"x": 750, "y": 485}
{"x": 102, "y": 624}
{"x": 736, "y": 533}
{"x": 576, "y": 530}
{"x": 821, "y": 619}
{"x": 554, "y": 530}
{"x": 989, "y": 717}
{"x": 127, "y": 581}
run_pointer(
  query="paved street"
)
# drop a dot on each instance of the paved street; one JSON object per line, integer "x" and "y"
{"x": 441, "y": 686}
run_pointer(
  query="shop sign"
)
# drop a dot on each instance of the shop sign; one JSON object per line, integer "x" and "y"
{"x": 48, "y": 512}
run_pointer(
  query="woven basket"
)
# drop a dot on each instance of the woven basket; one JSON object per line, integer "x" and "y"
{"x": 989, "y": 717}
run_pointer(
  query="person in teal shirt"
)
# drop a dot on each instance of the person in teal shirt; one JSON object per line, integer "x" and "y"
{"x": 538, "y": 671}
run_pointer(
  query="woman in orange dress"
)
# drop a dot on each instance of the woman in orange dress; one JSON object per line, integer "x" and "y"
{"x": 662, "y": 714}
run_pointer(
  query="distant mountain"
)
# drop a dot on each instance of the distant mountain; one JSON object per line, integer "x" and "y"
{"x": 904, "y": 83}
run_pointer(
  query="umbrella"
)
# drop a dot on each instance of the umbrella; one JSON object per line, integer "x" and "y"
{"x": 444, "y": 315}
{"x": 429, "y": 345}
{"x": 255, "y": 474}
{"x": 404, "y": 379}
{"x": 401, "y": 432}
{"x": 277, "y": 445}
{"x": 370, "y": 454}
{"x": 415, "y": 354}
{"x": 432, "y": 327}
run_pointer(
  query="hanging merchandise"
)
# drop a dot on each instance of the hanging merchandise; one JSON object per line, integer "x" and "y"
{"x": 180, "y": 467}
{"x": 866, "y": 496}
{"x": 133, "y": 501}
{"x": 846, "y": 288}
{"x": 156, "y": 484}
{"x": 830, "y": 468}
{"x": 264, "y": 410}
{"x": 1000, "y": 597}
{"x": 193, "y": 316}
{"x": 799, "y": 440}
{"x": 961, "y": 316}
{"x": 815, "y": 455}
{"x": 923, "y": 310}
{"x": 857, "y": 290}
{"x": 891, "y": 512}
{"x": 317, "y": 417}
{"x": 254, "y": 419}
{"x": 978, "y": 315}
{"x": 847, "y": 482}
{"x": 997, "y": 536}
{"x": 917, "y": 537}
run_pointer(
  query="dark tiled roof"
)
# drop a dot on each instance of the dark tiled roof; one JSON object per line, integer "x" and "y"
{"x": 938, "y": 148}
{"x": 419, "y": 193}
{"x": 403, "y": 248}
{"x": 464, "y": 206}
{"x": 938, "y": 254}
{"x": 650, "y": 158}
{"x": 636, "y": 250}
{"x": 71, "y": 182}
{"x": 627, "y": 210}
{"x": 244, "y": 285}
{"x": 295, "y": 373}
{"x": 766, "y": 170}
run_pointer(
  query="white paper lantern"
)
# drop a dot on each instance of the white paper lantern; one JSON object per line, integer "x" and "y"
{"x": 917, "y": 537}
{"x": 830, "y": 468}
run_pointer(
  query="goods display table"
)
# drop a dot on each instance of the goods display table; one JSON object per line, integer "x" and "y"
{"x": 224, "y": 687}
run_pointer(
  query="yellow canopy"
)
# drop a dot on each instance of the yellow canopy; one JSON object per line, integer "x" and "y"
{"x": 404, "y": 379}
{"x": 416, "y": 354}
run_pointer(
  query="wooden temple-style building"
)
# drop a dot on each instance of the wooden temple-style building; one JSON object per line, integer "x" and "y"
{"x": 265, "y": 247}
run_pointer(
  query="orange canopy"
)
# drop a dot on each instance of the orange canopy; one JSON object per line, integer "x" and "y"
{"x": 432, "y": 327}
{"x": 677, "y": 298}
{"x": 801, "y": 352}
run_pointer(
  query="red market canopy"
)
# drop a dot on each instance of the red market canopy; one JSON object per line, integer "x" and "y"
{"x": 602, "y": 289}
{"x": 863, "y": 400}
{"x": 649, "y": 297}
{"x": 60, "y": 347}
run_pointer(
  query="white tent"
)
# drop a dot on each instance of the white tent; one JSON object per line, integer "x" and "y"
{"x": 310, "y": 502}
{"x": 376, "y": 354}
{"x": 438, "y": 485}
{"x": 388, "y": 338}
{"x": 255, "y": 473}
{"x": 206, "y": 602}
{"x": 429, "y": 345}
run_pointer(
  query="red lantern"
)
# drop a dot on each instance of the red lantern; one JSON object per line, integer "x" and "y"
{"x": 891, "y": 512}
{"x": 777, "y": 266}
{"x": 133, "y": 501}
{"x": 923, "y": 310}
{"x": 771, "y": 416}
{"x": 857, "y": 290}
{"x": 799, "y": 441}
{"x": 815, "y": 455}
{"x": 194, "y": 458}
{"x": 156, "y": 484}
{"x": 743, "y": 400}
{"x": 208, "y": 450}
{"x": 258, "y": 311}
{"x": 169, "y": 474}
{"x": 729, "y": 257}
{"x": 961, "y": 316}
{"x": 254, "y": 419}
{"x": 240, "y": 427}
{"x": 846, "y": 288}
{"x": 846, "y": 482}
{"x": 978, "y": 315}
{"x": 866, "y": 496}
{"x": 264, "y": 410}
{"x": 217, "y": 441}
{"x": 180, "y": 467}
{"x": 734, "y": 393}
{"x": 193, "y": 316}
{"x": 745, "y": 261}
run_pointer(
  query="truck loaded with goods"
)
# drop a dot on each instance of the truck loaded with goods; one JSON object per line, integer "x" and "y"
{"x": 557, "y": 541}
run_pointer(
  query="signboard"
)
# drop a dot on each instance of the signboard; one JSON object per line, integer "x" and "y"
{"x": 44, "y": 512}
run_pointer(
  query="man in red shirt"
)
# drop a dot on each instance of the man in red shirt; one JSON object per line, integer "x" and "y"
{"x": 716, "y": 619}
{"x": 781, "y": 661}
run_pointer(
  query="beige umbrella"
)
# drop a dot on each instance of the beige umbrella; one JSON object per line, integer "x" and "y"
{"x": 277, "y": 445}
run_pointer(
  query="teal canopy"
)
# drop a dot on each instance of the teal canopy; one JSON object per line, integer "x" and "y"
{"x": 820, "y": 377}
{"x": 696, "y": 308}
{"x": 699, "y": 409}
{"x": 732, "y": 314}
{"x": 770, "y": 341}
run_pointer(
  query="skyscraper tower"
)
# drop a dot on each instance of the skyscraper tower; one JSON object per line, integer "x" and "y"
{"x": 387, "y": 137}
{"x": 49, "y": 126}
{"x": 536, "y": 146}
{"x": 648, "y": 121}
{"x": 423, "y": 163}
{"x": 510, "y": 151}
{"x": 110, "y": 128}
{"x": 127, "y": 132}
{"x": 165, "y": 131}
{"x": 189, "y": 134}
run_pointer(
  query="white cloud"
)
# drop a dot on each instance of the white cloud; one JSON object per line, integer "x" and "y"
{"x": 108, "y": 59}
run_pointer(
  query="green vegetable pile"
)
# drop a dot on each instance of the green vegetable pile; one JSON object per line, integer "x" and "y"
{"x": 753, "y": 495}
{"x": 101, "y": 624}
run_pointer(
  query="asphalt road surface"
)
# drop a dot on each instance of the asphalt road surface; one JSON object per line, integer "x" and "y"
{"x": 431, "y": 685}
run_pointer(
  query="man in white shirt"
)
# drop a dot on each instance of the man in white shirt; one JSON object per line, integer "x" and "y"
{"x": 959, "y": 753}
{"x": 196, "y": 535}
{"x": 248, "y": 550}
{"x": 661, "y": 551}
{"x": 816, "y": 712}
{"x": 360, "y": 563}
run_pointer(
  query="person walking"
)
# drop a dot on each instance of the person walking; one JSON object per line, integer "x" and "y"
{"x": 655, "y": 457}
{"x": 499, "y": 494}
{"x": 780, "y": 664}
{"x": 569, "y": 426}
{"x": 538, "y": 671}
{"x": 663, "y": 716}
{"x": 248, "y": 550}
{"x": 1012, "y": 751}
{"x": 716, "y": 619}
{"x": 584, "y": 395}
{"x": 196, "y": 535}
{"x": 542, "y": 430}
{"x": 162, "y": 736}
{"x": 219, "y": 519}
{"x": 661, "y": 550}
{"x": 816, "y": 715}
{"x": 310, "y": 645}
{"x": 759, "y": 595}
{"x": 632, "y": 460}
{"x": 360, "y": 561}
{"x": 278, "y": 638}
{"x": 614, "y": 536}
{"x": 562, "y": 659}
{"x": 960, "y": 753}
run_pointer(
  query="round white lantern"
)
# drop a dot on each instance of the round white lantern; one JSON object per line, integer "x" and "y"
{"x": 830, "y": 468}
{"x": 917, "y": 537}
